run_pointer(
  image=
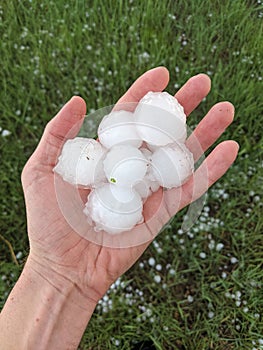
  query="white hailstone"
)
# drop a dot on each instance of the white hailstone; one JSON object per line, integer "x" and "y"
{"x": 149, "y": 312}
{"x": 157, "y": 278}
{"x": 117, "y": 342}
{"x": 151, "y": 261}
{"x": 80, "y": 162}
{"x": 190, "y": 298}
{"x": 113, "y": 208}
{"x": 238, "y": 294}
{"x": 224, "y": 275}
{"x": 125, "y": 165}
{"x": 172, "y": 165}
{"x": 118, "y": 127}
{"x": 211, "y": 314}
{"x": 5, "y": 133}
{"x": 245, "y": 309}
{"x": 160, "y": 119}
{"x": 233, "y": 260}
{"x": 211, "y": 244}
{"x": 158, "y": 267}
{"x": 219, "y": 247}
{"x": 19, "y": 255}
{"x": 181, "y": 241}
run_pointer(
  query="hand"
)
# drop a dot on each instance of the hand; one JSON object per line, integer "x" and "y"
{"x": 56, "y": 247}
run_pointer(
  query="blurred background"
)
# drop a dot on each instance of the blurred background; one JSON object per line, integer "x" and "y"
{"x": 196, "y": 290}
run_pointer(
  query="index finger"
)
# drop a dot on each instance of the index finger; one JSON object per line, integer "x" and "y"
{"x": 155, "y": 79}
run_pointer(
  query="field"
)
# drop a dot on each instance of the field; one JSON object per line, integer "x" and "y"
{"x": 200, "y": 289}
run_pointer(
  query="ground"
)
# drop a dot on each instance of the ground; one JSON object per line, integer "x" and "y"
{"x": 200, "y": 289}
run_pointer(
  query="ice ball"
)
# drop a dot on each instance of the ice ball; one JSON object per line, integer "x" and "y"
{"x": 80, "y": 162}
{"x": 118, "y": 127}
{"x": 114, "y": 209}
{"x": 124, "y": 165}
{"x": 172, "y": 165}
{"x": 160, "y": 119}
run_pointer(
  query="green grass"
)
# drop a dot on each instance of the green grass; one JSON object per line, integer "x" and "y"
{"x": 49, "y": 51}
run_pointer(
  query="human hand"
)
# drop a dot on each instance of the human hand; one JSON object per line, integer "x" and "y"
{"x": 56, "y": 247}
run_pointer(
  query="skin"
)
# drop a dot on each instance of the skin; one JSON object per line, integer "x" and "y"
{"x": 65, "y": 275}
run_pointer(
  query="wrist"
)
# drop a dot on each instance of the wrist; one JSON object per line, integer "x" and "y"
{"x": 61, "y": 283}
{"x": 44, "y": 311}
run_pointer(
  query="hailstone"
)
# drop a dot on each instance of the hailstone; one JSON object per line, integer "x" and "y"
{"x": 118, "y": 127}
{"x": 160, "y": 119}
{"x": 124, "y": 165}
{"x": 114, "y": 209}
{"x": 80, "y": 162}
{"x": 172, "y": 165}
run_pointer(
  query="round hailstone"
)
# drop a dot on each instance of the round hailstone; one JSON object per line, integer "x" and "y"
{"x": 80, "y": 162}
{"x": 160, "y": 119}
{"x": 114, "y": 209}
{"x": 172, "y": 165}
{"x": 125, "y": 165}
{"x": 118, "y": 127}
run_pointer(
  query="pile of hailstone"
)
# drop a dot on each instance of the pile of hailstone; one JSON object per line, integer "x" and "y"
{"x": 134, "y": 155}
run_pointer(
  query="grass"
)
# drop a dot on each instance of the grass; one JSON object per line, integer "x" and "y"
{"x": 207, "y": 298}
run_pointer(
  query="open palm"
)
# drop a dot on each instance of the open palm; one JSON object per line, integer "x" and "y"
{"x": 56, "y": 247}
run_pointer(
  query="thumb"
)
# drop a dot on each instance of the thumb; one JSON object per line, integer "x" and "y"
{"x": 63, "y": 126}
